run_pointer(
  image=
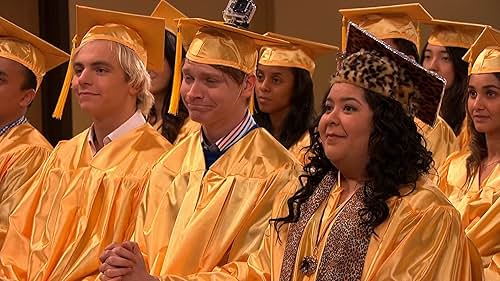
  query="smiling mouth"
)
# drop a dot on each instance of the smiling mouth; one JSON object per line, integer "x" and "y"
{"x": 198, "y": 107}
{"x": 333, "y": 136}
{"x": 86, "y": 94}
{"x": 263, "y": 99}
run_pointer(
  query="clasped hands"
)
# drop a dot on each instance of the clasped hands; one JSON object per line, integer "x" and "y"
{"x": 123, "y": 262}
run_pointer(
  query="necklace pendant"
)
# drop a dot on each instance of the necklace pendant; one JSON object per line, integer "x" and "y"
{"x": 308, "y": 265}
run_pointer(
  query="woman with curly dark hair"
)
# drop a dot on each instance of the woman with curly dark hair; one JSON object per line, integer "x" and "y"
{"x": 397, "y": 25}
{"x": 443, "y": 52}
{"x": 366, "y": 204}
{"x": 285, "y": 92}
{"x": 173, "y": 127}
{"x": 471, "y": 178}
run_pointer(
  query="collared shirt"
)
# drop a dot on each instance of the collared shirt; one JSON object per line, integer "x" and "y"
{"x": 132, "y": 123}
{"x": 224, "y": 143}
{"x": 21, "y": 120}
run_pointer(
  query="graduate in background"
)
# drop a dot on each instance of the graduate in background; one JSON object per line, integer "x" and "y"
{"x": 86, "y": 194}
{"x": 471, "y": 177}
{"x": 285, "y": 91}
{"x": 398, "y": 26}
{"x": 208, "y": 200}
{"x": 443, "y": 54}
{"x": 24, "y": 60}
{"x": 173, "y": 127}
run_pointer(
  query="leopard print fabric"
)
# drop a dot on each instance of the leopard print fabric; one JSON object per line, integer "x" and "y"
{"x": 307, "y": 210}
{"x": 428, "y": 86}
{"x": 369, "y": 70}
{"x": 345, "y": 251}
{"x": 347, "y": 243}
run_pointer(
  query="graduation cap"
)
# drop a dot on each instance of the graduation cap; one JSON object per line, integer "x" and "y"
{"x": 142, "y": 34}
{"x": 29, "y": 50}
{"x": 453, "y": 34}
{"x": 388, "y": 22}
{"x": 374, "y": 65}
{"x": 299, "y": 53}
{"x": 216, "y": 43}
{"x": 484, "y": 54}
{"x": 168, "y": 12}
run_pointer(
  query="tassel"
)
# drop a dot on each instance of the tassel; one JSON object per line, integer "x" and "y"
{"x": 251, "y": 106}
{"x": 344, "y": 34}
{"x": 176, "y": 83}
{"x": 470, "y": 61}
{"x": 63, "y": 95}
{"x": 418, "y": 38}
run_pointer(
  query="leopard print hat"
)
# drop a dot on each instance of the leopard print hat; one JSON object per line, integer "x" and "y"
{"x": 372, "y": 64}
{"x": 369, "y": 70}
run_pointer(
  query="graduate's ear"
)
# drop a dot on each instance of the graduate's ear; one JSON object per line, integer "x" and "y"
{"x": 249, "y": 85}
{"x": 27, "y": 98}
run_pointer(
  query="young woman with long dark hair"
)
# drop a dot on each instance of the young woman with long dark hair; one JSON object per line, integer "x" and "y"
{"x": 285, "y": 91}
{"x": 443, "y": 52}
{"x": 471, "y": 177}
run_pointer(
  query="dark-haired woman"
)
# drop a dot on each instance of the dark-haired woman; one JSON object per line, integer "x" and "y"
{"x": 471, "y": 178}
{"x": 173, "y": 127}
{"x": 366, "y": 210}
{"x": 285, "y": 91}
{"x": 443, "y": 54}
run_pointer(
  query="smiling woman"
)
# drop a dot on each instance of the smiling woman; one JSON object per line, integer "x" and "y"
{"x": 346, "y": 123}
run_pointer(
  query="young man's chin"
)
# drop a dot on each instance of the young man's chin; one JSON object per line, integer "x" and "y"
{"x": 197, "y": 117}
{"x": 88, "y": 109}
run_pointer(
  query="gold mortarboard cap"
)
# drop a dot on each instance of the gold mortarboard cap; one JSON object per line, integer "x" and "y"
{"x": 299, "y": 53}
{"x": 453, "y": 34}
{"x": 213, "y": 42}
{"x": 484, "y": 54}
{"x": 216, "y": 43}
{"x": 374, "y": 65}
{"x": 29, "y": 50}
{"x": 168, "y": 12}
{"x": 388, "y": 22}
{"x": 143, "y": 34}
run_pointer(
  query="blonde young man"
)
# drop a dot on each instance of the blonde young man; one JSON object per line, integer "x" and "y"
{"x": 87, "y": 193}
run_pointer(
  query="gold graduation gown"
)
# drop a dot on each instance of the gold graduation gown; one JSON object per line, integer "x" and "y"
{"x": 299, "y": 149}
{"x": 22, "y": 152}
{"x": 463, "y": 138}
{"x": 188, "y": 128}
{"x": 193, "y": 219}
{"x": 441, "y": 140}
{"x": 78, "y": 205}
{"x": 422, "y": 239}
{"x": 479, "y": 206}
